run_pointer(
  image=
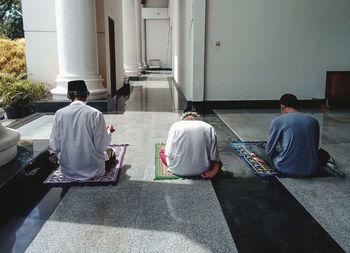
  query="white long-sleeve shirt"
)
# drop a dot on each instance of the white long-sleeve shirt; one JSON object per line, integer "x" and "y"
{"x": 190, "y": 147}
{"x": 80, "y": 138}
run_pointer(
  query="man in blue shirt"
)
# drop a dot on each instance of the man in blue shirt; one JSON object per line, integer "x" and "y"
{"x": 292, "y": 146}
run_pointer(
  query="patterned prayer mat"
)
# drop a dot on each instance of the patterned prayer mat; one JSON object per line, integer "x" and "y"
{"x": 161, "y": 170}
{"x": 56, "y": 178}
{"x": 260, "y": 168}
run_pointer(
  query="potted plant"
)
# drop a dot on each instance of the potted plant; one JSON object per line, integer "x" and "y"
{"x": 17, "y": 95}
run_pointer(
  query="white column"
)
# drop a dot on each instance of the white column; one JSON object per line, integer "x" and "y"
{"x": 138, "y": 34}
{"x": 143, "y": 41}
{"x": 129, "y": 38}
{"x": 77, "y": 48}
{"x": 198, "y": 49}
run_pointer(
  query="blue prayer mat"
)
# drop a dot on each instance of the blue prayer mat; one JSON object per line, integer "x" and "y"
{"x": 259, "y": 167}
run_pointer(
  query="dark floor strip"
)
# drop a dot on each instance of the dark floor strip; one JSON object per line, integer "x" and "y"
{"x": 263, "y": 216}
{"x": 26, "y": 205}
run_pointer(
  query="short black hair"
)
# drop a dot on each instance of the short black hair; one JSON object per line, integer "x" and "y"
{"x": 289, "y": 100}
{"x": 80, "y": 95}
{"x": 190, "y": 109}
{"x": 189, "y": 113}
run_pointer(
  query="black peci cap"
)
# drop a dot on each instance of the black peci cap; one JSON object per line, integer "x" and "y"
{"x": 77, "y": 85}
{"x": 77, "y": 88}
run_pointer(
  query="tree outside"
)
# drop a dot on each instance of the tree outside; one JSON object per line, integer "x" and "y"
{"x": 11, "y": 22}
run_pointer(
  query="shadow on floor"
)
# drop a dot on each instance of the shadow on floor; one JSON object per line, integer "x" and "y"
{"x": 264, "y": 217}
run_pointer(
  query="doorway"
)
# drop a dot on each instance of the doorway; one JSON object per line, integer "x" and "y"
{"x": 113, "y": 90}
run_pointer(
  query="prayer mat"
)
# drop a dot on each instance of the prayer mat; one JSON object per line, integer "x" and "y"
{"x": 113, "y": 167}
{"x": 259, "y": 167}
{"x": 161, "y": 170}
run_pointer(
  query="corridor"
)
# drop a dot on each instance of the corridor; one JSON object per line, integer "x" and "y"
{"x": 235, "y": 212}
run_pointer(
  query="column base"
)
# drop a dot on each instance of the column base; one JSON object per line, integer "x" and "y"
{"x": 140, "y": 68}
{"x": 132, "y": 71}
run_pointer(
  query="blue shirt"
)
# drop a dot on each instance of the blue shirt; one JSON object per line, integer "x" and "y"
{"x": 293, "y": 143}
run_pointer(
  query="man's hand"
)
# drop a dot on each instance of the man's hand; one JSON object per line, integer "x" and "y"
{"x": 256, "y": 158}
{"x": 110, "y": 128}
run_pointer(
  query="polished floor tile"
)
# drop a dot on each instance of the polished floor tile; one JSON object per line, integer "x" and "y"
{"x": 139, "y": 214}
{"x": 323, "y": 198}
{"x": 143, "y": 215}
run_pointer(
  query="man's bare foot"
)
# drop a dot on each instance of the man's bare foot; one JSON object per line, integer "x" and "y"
{"x": 213, "y": 170}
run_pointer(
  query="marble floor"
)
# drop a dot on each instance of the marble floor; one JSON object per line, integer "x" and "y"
{"x": 325, "y": 198}
{"x": 143, "y": 215}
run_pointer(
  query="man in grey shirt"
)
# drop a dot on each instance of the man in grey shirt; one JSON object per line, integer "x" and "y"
{"x": 80, "y": 136}
{"x": 292, "y": 146}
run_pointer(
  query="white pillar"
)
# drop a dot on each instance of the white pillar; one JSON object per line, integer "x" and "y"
{"x": 198, "y": 28}
{"x": 77, "y": 48}
{"x": 138, "y": 34}
{"x": 143, "y": 41}
{"x": 129, "y": 38}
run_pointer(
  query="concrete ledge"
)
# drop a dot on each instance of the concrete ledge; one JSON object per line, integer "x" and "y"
{"x": 49, "y": 105}
{"x": 28, "y": 152}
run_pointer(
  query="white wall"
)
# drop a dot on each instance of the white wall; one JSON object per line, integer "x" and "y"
{"x": 198, "y": 27}
{"x": 174, "y": 13}
{"x": 113, "y": 9}
{"x": 188, "y": 29}
{"x": 158, "y": 41}
{"x": 41, "y": 39}
{"x": 187, "y": 59}
{"x": 158, "y": 35}
{"x": 180, "y": 18}
{"x": 157, "y": 3}
{"x": 272, "y": 47}
{"x": 155, "y": 13}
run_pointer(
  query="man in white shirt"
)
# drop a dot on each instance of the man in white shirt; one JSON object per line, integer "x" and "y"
{"x": 80, "y": 136}
{"x": 191, "y": 148}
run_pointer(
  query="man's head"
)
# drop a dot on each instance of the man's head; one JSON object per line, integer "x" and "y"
{"x": 77, "y": 90}
{"x": 289, "y": 102}
{"x": 190, "y": 113}
{"x": 190, "y": 116}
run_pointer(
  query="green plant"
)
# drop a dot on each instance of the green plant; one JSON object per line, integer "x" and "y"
{"x": 18, "y": 92}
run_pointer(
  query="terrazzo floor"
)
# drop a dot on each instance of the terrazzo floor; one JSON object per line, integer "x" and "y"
{"x": 143, "y": 215}
{"x": 325, "y": 198}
